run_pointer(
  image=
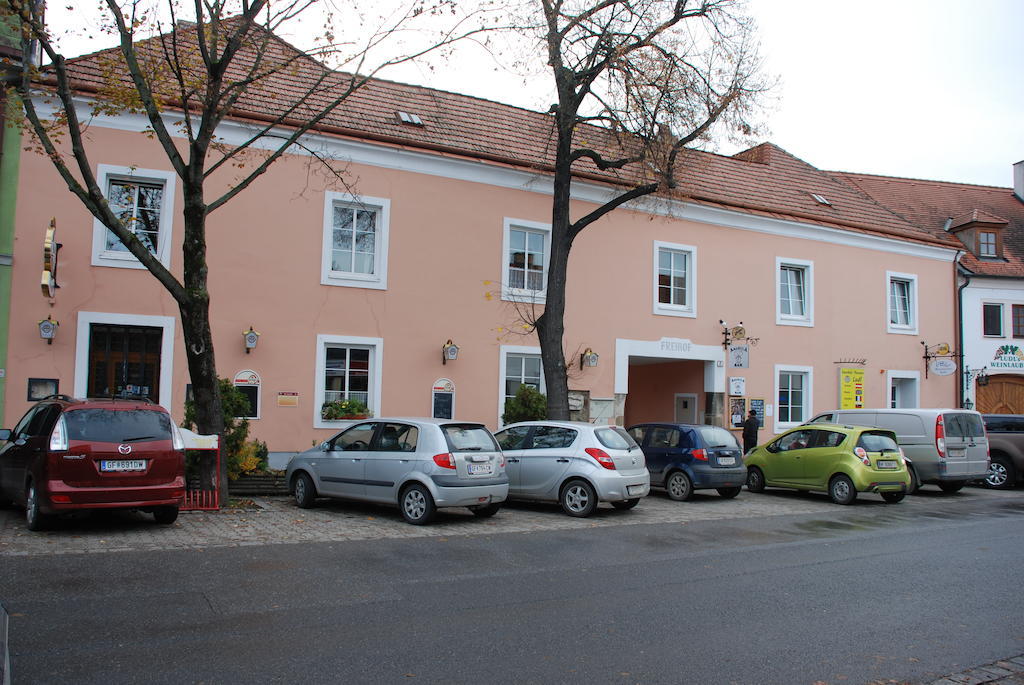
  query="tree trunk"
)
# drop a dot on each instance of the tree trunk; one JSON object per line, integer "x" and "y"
{"x": 195, "y": 324}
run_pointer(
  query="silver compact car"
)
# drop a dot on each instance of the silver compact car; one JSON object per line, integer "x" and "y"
{"x": 574, "y": 464}
{"x": 418, "y": 464}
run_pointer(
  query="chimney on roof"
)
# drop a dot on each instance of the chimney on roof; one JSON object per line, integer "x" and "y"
{"x": 1018, "y": 180}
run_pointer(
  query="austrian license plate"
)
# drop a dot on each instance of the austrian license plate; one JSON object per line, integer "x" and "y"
{"x": 634, "y": 489}
{"x": 479, "y": 469}
{"x": 727, "y": 461}
{"x": 887, "y": 464}
{"x": 123, "y": 465}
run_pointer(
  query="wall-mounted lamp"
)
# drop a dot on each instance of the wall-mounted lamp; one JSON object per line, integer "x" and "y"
{"x": 968, "y": 405}
{"x": 588, "y": 358}
{"x": 250, "y": 337}
{"x": 449, "y": 352}
{"x": 982, "y": 377}
{"x": 48, "y": 329}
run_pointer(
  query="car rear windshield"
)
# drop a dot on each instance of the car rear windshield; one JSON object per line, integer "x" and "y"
{"x": 614, "y": 438}
{"x": 714, "y": 436}
{"x": 108, "y": 425}
{"x": 468, "y": 438}
{"x": 878, "y": 442}
{"x": 963, "y": 425}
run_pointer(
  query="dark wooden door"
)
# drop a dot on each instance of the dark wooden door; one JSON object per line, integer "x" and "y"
{"x": 124, "y": 361}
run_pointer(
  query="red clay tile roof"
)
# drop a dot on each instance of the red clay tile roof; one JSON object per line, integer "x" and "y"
{"x": 975, "y": 216}
{"x": 930, "y": 203}
{"x": 765, "y": 179}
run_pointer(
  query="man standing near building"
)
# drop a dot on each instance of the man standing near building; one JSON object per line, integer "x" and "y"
{"x": 750, "y": 427}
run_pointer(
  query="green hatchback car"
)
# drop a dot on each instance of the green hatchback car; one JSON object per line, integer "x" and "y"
{"x": 840, "y": 460}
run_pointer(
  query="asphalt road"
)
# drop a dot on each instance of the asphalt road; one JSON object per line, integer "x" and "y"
{"x": 873, "y": 592}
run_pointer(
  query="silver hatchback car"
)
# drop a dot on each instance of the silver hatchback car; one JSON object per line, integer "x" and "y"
{"x": 574, "y": 464}
{"x": 418, "y": 464}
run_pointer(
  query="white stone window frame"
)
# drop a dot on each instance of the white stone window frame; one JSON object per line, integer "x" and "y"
{"x": 688, "y": 310}
{"x": 324, "y": 341}
{"x": 502, "y": 377}
{"x": 101, "y": 256}
{"x": 911, "y": 280}
{"x": 378, "y": 280}
{"x": 85, "y": 321}
{"x": 808, "y": 402}
{"x": 523, "y": 294}
{"x": 807, "y": 266}
{"x": 892, "y": 375}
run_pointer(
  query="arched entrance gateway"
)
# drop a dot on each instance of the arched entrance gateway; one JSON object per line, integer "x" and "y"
{"x": 1004, "y": 394}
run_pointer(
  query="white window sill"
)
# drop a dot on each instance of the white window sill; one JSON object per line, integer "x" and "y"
{"x": 340, "y": 279}
{"x": 526, "y": 296}
{"x": 661, "y": 309}
{"x": 903, "y": 330}
{"x": 787, "y": 321}
{"x": 119, "y": 260}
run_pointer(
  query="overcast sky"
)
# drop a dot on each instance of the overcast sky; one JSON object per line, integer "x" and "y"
{"x": 917, "y": 88}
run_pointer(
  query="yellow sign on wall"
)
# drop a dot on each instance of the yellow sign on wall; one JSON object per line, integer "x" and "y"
{"x": 851, "y": 388}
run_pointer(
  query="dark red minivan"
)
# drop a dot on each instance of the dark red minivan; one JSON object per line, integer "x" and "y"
{"x": 68, "y": 454}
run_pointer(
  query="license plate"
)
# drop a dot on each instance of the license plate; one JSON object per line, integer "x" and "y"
{"x": 634, "y": 489}
{"x": 479, "y": 469}
{"x": 726, "y": 461}
{"x": 957, "y": 453}
{"x": 886, "y": 464}
{"x": 123, "y": 465}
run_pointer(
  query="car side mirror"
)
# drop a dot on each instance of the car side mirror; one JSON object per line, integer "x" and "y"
{"x": 5, "y": 434}
{"x": 325, "y": 446}
{"x": 773, "y": 448}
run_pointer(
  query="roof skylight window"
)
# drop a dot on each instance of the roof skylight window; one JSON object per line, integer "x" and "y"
{"x": 407, "y": 118}
{"x": 821, "y": 199}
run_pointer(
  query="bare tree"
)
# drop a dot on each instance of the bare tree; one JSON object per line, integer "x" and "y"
{"x": 224, "y": 59}
{"x": 637, "y": 83}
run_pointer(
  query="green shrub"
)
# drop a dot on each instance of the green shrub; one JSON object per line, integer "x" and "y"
{"x": 529, "y": 404}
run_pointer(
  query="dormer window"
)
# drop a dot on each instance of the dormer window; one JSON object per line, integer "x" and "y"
{"x": 986, "y": 244}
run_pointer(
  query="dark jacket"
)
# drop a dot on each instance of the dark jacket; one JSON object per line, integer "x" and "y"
{"x": 750, "y": 428}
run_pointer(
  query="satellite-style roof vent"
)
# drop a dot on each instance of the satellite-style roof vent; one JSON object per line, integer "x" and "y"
{"x": 821, "y": 199}
{"x": 411, "y": 119}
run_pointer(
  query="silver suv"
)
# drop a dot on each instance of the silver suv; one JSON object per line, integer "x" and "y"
{"x": 418, "y": 464}
{"x": 574, "y": 464}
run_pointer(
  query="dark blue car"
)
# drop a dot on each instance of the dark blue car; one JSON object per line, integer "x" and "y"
{"x": 685, "y": 457}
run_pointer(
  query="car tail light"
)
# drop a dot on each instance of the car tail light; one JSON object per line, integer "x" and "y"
{"x": 445, "y": 461}
{"x": 501, "y": 460}
{"x": 903, "y": 457}
{"x": 59, "y": 436}
{"x": 863, "y": 454}
{"x": 602, "y": 457}
{"x": 940, "y": 436}
{"x": 699, "y": 454}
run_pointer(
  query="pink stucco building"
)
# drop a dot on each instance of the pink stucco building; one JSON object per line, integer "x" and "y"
{"x": 441, "y": 234}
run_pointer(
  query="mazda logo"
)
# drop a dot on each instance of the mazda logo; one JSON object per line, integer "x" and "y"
{"x": 124, "y": 449}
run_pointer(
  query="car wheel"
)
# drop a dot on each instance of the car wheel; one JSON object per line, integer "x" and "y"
{"x": 951, "y": 486}
{"x": 34, "y": 518}
{"x": 841, "y": 489}
{"x": 1001, "y": 474}
{"x": 626, "y": 503}
{"x": 485, "y": 511}
{"x": 679, "y": 486}
{"x": 304, "y": 491}
{"x": 165, "y": 516}
{"x": 892, "y": 497}
{"x": 417, "y": 505}
{"x": 729, "y": 493}
{"x": 578, "y": 498}
{"x": 914, "y": 482}
{"x": 755, "y": 480}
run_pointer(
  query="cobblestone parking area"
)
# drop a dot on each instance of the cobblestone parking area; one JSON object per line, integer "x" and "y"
{"x": 276, "y": 520}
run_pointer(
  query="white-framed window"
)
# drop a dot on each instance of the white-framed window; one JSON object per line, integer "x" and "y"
{"x": 144, "y": 201}
{"x": 675, "y": 279}
{"x": 520, "y": 365}
{"x": 355, "y": 244}
{"x": 249, "y": 383}
{"x": 347, "y": 367}
{"x": 986, "y": 244}
{"x": 904, "y": 389}
{"x": 526, "y": 249}
{"x": 794, "y": 292}
{"x": 901, "y": 296}
{"x": 992, "y": 319}
{"x": 793, "y": 396}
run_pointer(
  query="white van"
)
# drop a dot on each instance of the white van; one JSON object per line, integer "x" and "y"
{"x": 946, "y": 447}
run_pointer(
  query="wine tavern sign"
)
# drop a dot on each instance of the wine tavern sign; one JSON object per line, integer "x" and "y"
{"x": 1008, "y": 357}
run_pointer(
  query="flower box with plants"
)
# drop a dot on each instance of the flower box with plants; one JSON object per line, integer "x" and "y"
{"x": 337, "y": 410}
